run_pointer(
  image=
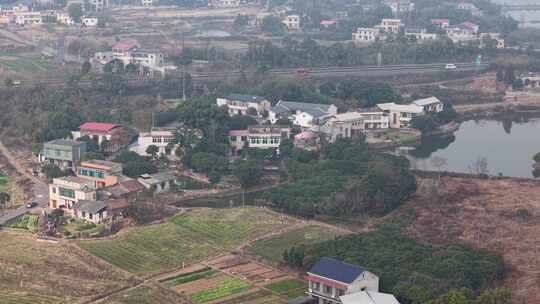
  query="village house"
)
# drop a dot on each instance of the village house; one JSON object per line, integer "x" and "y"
{"x": 128, "y": 189}
{"x": 470, "y": 7}
{"x": 307, "y": 140}
{"x": 328, "y": 23}
{"x": 366, "y": 35}
{"x": 419, "y": 33}
{"x": 292, "y": 22}
{"x": 239, "y": 104}
{"x": 101, "y": 172}
{"x": 62, "y": 153}
{"x": 400, "y": 116}
{"x": 345, "y": 125}
{"x": 441, "y": 23}
{"x": 530, "y": 80}
{"x": 27, "y": 18}
{"x": 330, "y": 279}
{"x": 261, "y": 137}
{"x": 430, "y": 104}
{"x": 391, "y": 26}
{"x": 225, "y": 3}
{"x": 399, "y": 6}
{"x": 128, "y": 52}
{"x": 462, "y": 32}
{"x": 64, "y": 192}
{"x": 99, "y": 5}
{"x": 496, "y": 38}
{"x": 64, "y": 18}
{"x": 300, "y": 113}
{"x": 115, "y": 136}
{"x": 91, "y": 211}
{"x": 374, "y": 120}
{"x": 163, "y": 138}
{"x": 147, "y": 3}
{"x": 369, "y": 297}
{"x": 89, "y": 21}
{"x": 157, "y": 183}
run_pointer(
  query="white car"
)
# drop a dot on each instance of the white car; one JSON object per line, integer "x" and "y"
{"x": 450, "y": 66}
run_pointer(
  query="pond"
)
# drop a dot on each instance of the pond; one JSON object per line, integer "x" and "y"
{"x": 501, "y": 147}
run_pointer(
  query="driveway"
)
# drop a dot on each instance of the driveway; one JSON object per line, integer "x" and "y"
{"x": 40, "y": 189}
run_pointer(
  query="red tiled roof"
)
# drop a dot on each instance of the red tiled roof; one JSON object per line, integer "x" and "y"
{"x": 124, "y": 45}
{"x": 238, "y": 133}
{"x": 98, "y": 126}
{"x": 132, "y": 185}
{"x": 440, "y": 20}
{"x": 469, "y": 24}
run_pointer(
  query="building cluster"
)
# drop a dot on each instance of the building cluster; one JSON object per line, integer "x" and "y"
{"x": 23, "y": 15}
{"x": 335, "y": 282}
{"x": 316, "y": 120}
{"x": 98, "y": 191}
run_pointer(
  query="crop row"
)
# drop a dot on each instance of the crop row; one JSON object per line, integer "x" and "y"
{"x": 225, "y": 288}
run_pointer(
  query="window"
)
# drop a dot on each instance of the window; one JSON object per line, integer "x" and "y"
{"x": 315, "y": 286}
{"x": 66, "y": 192}
{"x": 233, "y": 138}
{"x": 327, "y": 289}
{"x": 54, "y": 190}
{"x": 243, "y": 138}
{"x": 341, "y": 292}
{"x": 90, "y": 216}
{"x": 84, "y": 214}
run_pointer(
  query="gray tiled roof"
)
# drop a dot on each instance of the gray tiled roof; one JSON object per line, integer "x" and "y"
{"x": 313, "y": 109}
{"x": 92, "y": 207}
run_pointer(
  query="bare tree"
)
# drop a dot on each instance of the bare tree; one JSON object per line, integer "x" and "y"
{"x": 479, "y": 167}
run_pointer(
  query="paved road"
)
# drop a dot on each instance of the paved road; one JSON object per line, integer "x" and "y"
{"x": 39, "y": 188}
{"x": 363, "y": 71}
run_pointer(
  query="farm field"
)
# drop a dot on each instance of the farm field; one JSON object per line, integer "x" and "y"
{"x": 9, "y": 186}
{"x": 51, "y": 273}
{"x": 289, "y": 288}
{"x": 27, "y": 222}
{"x": 273, "y": 247}
{"x": 147, "y": 294}
{"x": 184, "y": 239}
{"x": 24, "y": 64}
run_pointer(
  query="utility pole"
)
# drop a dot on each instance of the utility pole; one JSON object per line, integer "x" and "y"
{"x": 379, "y": 58}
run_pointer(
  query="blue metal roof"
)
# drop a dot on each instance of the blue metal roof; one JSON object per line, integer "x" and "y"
{"x": 336, "y": 270}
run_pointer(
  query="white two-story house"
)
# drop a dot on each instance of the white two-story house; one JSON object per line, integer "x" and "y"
{"x": 301, "y": 114}
{"x": 430, "y": 104}
{"x": 64, "y": 192}
{"x": 238, "y": 104}
{"x": 400, "y": 116}
{"x": 330, "y": 279}
{"x": 261, "y": 137}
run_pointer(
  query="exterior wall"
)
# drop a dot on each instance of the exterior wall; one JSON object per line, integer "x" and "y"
{"x": 375, "y": 121}
{"x": 89, "y": 21}
{"x": 64, "y": 157}
{"x": 436, "y": 107}
{"x": 28, "y": 18}
{"x": 292, "y": 22}
{"x": 95, "y": 218}
{"x": 160, "y": 139}
{"x": 58, "y": 199}
{"x": 98, "y": 136}
{"x": 237, "y": 107}
{"x": 366, "y": 281}
{"x": 366, "y": 34}
{"x": 99, "y": 175}
{"x": 303, "y": 120}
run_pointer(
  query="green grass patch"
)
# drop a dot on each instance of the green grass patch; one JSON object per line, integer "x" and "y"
{"x": 188, "y": 183}
{"x": 273, "y": 248}
{"x": 293, "y": 294}
{"x": 286, "y": 285}
{"x": 7, "y": 297}
{"x": 206, "y": 272}
{"x": 225, "y": 288}
{"x": 79, "y": 226}
{"x": 26, "y": 64}
{"x": 26, "y": 221}
{"x": 186, "y": 238}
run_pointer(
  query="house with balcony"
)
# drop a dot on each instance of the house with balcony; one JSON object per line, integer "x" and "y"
{"x": 400, "y": 116}
{"x": 64, "y": 192}
{"x": 419, "y": 33}
{"x": 238, "y": 104}
{"x": 163, "y": 138}
{"x": 89, "y": 21}
{"x": 261, "y": 137}
{"x": 63, "y": 153}
{"x": 430, "y": 104}
{"x": 302, "y": 114}
{"x": 366, "y": 35}
{"x": 330, "y": 279}
{"x": 27, "y": 18}
{"x": 101, "y": 172}
{"x": 374, "y": 120}
{"x": 292, "y": 22}
{"x": 345, "y": 125}
{"x": 399, "y": 6}
{"x": 115, "y": 136}
{"x": 390, "y": 26}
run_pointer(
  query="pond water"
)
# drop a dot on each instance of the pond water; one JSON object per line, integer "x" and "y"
{"x": 505, "y": 147}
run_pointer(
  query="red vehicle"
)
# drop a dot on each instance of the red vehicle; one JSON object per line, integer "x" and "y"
{"x": 303, "y": 72}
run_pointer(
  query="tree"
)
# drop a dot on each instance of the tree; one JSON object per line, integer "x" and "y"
{"x": 128, "y": 156}
{"x": 252, "y": 112}
{"x": 8, "y": 82}
{"x": 152, "y": 150}
{"x": 91, "y": 144}
{"x": 479, "y": 167}
{"x": 52, "y": 171}
{"x": 273, "y": 25}
{"x": 423, "y": 123}
{"x": 92, "y": 155}
{"x": 536, "y": 157}
{"x": 137, "y": 168}
{"x": 248, "y": 172}
{"x": 4, "y": 199}
{"x": 75, "y": 11}
{"x": 86, "y": 67}
{"x": 495, "y": 296}
{"x": 240, "y": 22}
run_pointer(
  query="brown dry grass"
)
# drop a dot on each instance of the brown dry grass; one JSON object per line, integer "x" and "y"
{"x": 57, "y": 270}
{"x": 484, "y": 214}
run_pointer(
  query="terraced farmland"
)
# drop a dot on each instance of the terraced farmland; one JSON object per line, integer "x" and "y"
{"x": 148, "y": 294}
{"x": 186, "y": 238}
{"x": 227, "y": 287}
{"x": 51, "y": 273}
